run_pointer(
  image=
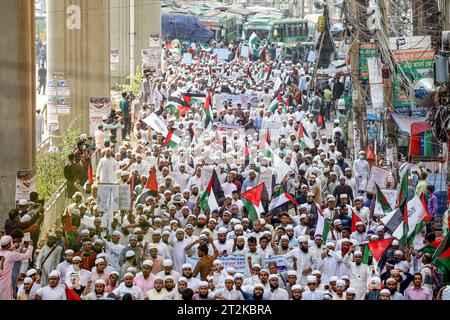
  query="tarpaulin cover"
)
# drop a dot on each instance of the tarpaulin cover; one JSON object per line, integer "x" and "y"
{"x": 184, "y": 27}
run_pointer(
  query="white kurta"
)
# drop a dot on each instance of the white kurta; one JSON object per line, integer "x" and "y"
{"x": 304, "y": 261}
{"x": 50, "y": 263}
{"x": 106, "y": 170}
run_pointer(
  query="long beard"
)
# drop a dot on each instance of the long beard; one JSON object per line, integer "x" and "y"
{"x": 304, "y": 250}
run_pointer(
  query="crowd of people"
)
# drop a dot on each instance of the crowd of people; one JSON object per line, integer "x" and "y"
{"x": 171, "y": 246}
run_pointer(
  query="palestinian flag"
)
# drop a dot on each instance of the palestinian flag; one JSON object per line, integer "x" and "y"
{"x": 378, "y": 247}
{"x": 277, "y": 102}
{"x": 246, "y": 155}
{"x": 71, "y": 295}
{"x": 290, "y": 101}
{"x": 320, "y": 120}
{"x": 266, "y": 73}
{"x": 89, "y": 173}
{"x": 255, "y": 201}
{"x": 303, "y": 138}
{"x": 212, "y": 195}
{"x": 282, "y": 199}
{"x": 323, "y": 225}
{"x": 432, "y": 246}
{"x": 207, "y": 109}
{"x": 441, "y": 257}
{"x": 150, "y": 189}
{"x": 177, "y": 106}
{"x": 172, "y": 140}
{"x": 189, "y": 100}
{"x": 403, "y": 192}
{"x": 385, "y": 206}
{"x": 419, "y": 217}
{"x": 264, "y": 148}
{"x": 269, "y": 141}
{"x": 367, "y": 255}
{"x": 355, "y": 220}
{"x": 300, "y": 131}
{"x": 191, "y": 130}
{"x": 249, "y": 77}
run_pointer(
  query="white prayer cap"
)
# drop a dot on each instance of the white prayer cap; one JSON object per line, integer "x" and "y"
{"x": 345, "y": 277}
{"x": 54, "y": 274}
{"x": 69, "y": 251}
{"x": 258, "y": 285}
{"x": 97, "y": 261}
{"x": 359, "y": 223}
{"x": 201, "y": 216}
{"x": 23, "y": 202}
{"x": 165, "y": 232}
{"x": 130, "y": 253}
{"x": 117, "y": 234}
{"x": 351, "y": 290}
{"x": 84, "y": 231}
{"x": 296, "y": 287}
{"x": 395, "y": 242}
{"x": 100, "y": 281}
{"x": 52, "y": 234}
{"x": 311, "y": 279}
{"x": 290, "y": 227}
{"x": 27, "y": 280}
{"x": 302, "y": 239}
{"x": 147, "y": 263}
{"x": 284, "y": 237}
{"x": 265, "y": 270}
{"x": 333, "y": 279}
{"x": 373, "y": 237}
{"x": 385, "y": 291}
{"x": 231, "y": 278}
{"x": 169, "y": 277}
{"x": 262, "y": 221}
{"x": 273, "y": 276}
{"x": 231, "y": 270}
{"x": 303, "y": 216}
{"x": 337, "y": 222}
{"x": 217, "y": 261}
{"x": 330, "y": 244}
{"x": 76, "y": 258}
{"x": 357, "y": 253}
{"x": 238, "y": 227}
{"x": 203, "y": 284}
{"x": 114, "y": 272}
{"x": 30, "y": 272}
{"x": 179, "y": 230}
{"x": 238, "y": 276}
{"x": 182, "y": 279}
{"x": 379, "y": 228}
{"x": 340, "y": 283}
{"x": 167, "y": 263}
{"x": 128, "y": 274}
{"x": 186, "y": 266}
{"x": 256, "y": 266}
{"x": 314, "y": 272}
{"x": 222, "y": 230}
{"x": 343, "y": 196}
{"x": 292, "y": 273}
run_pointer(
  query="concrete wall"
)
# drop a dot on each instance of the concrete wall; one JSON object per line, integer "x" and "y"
{"x": 17, "y": 97}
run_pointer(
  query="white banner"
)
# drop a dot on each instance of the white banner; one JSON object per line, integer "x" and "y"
{"x": 99, "y": 107}
{"x": 155, "y": 122}
{"x": 25, "y": 183}
{"x": 379, "y": 176}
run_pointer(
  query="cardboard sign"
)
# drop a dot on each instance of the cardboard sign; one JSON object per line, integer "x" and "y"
{"x": 378, "y": 176}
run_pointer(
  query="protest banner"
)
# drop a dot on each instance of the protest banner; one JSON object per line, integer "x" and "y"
{"x": 98, "y": 107}
{"x": 187, "y": 58}
{"x": 155, "y": 122}
{"x": 245, "y": 51}
{"x": 124, "y": 197}
{"x": 25, "y": 183}
{"x": 222, "y": 53}
{"x": 378, "y": 176}
{"x": 114, "y": 59}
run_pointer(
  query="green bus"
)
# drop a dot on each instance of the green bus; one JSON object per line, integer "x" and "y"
{"x": 288, "y": 31}
{"x": 222, "y": 24}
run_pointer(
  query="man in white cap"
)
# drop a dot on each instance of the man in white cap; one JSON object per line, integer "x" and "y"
{"x": 53, "y": 291}
{"x": 145, "y": 278}
{"x": 303, "y": 260}
{"x": 228, "y": 292}
{"x": 24, "y": 292}
{"x": 106, "y": 169}
{"x": 99, "y": 273}
{"x": 329, "y": 262}
{"x": 158, "y": 292}
{"x": 253, "y": 256}
{"x": 203, "y": 292}
{"x": 48, "y": 258}
{"x": 168, "y": 270}
{"x": 360, "y": 273}
{"x": 361, "y": 169}
{"x": 113, "y": 248}
{"x": 189, "y": 275}
{"x": 63, "y": 266}
{"x": 312, "y": 293}
{"x": 277, "y": 293}
{"x": 99, "y": 291}
{"x": 224, "y": 245}
{"x": 340, "y": 290}
{"x": 178, "y": 244}
{"x": 127, "y": 287}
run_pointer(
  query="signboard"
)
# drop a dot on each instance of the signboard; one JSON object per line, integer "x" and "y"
{"x": 63, "y": 87}
{"x": 124, "y": 197}
{"x": 152, "y": 58}
{"x": 99, "y": 107}
{"x": 63, "y": 104}
{"x": 245, "y": 51}
{"x": 52, "y": 88}
{"x": 154, "y": 41}
{"x": 366, "y": 50}
{"x": 222, "y": 54}
{"x": 187, "y": 58}
{"x": 155, "y": 122}
{"x": 52, "y": 104}
{"x": 52, "y": 122}
{"x": 243, "y": 99}
{"x": 108, "y": 197}
{"x": 114, "y": 59}
{"x": 412, "y": 65}
{"x": 378, "y": 176}
{"x": 25, "y": 183}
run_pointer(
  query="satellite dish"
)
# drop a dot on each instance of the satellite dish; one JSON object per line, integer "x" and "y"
{"x": 424, "y": 92}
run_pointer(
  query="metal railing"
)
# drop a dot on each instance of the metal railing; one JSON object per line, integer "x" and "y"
{"x": 55, "y": 206}
{"x": 45, "y": 145}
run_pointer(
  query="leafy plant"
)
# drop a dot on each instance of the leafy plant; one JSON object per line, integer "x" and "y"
{"x": 133, "y": 85}
{"x": 50, "y": 167}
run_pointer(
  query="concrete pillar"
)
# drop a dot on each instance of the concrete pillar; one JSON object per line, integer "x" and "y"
{"x": 78, "y": 46}
{"x": 120, "y": 39}
{"x": 17, "y": 97}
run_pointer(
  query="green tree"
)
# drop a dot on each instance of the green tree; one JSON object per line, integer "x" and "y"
{"x": 133, "y": 85}
{"x": 50, "y": 167}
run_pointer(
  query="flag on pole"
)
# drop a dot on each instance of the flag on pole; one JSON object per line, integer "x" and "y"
{"x": 282, "y": 199}
{"x": 246, "y": 155}
{"x": 323, "y": 225}
{"x": 441, "y": 257}
{"x": 255, "y": 201}
{"x": 269, "y": 141}
{"x": 212, "y": 195}
{"x": 277, "y": 102}
{"x": 355, "y": 220}
{"x": 384, "y": 203}
{"x": 253, "y": 40}
{"x": 378, "y": 247}
{"x": 207, "y": 109}
{"x": 172, "y": 140}
{"x": 150, "y": 189}
{"x": 282, "y": 167}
